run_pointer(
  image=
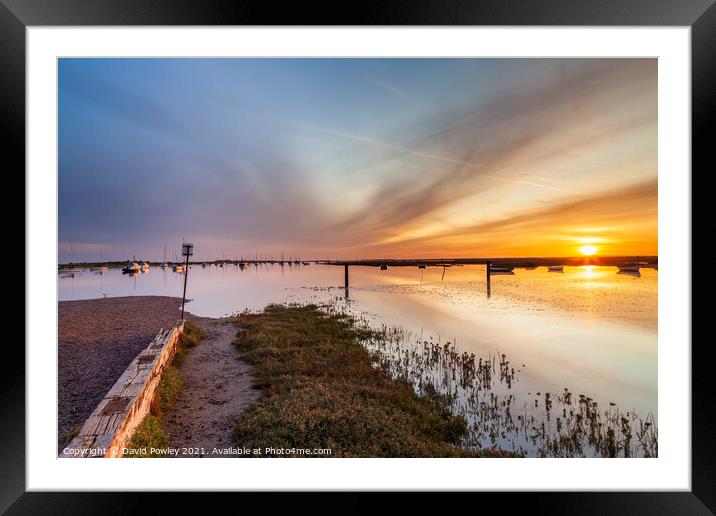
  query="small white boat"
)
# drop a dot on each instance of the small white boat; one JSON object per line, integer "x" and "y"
{"x": 131, "y": 268}
{"x": 70, "y": 271}
{"x": 145, "y": 267}
{"x": 179, "y": 268}
{"x": 555, "y": 268}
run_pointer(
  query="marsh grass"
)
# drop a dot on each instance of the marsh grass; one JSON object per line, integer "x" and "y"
{"x": 479, "y": 389}
{"x": 322, "y": 390}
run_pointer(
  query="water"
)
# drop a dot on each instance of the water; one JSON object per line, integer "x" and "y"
{"x": 589, "y": 329}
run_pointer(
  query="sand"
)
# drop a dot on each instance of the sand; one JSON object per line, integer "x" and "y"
{"x": 217, "y": 388}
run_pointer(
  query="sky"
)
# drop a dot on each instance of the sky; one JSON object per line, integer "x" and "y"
{"x": 356, "y": 158}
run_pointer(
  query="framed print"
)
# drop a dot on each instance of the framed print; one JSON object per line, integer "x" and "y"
{"x": 426, "y": 248}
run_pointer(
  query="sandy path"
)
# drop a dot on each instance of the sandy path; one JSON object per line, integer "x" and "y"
{"x": 217, "y": 389}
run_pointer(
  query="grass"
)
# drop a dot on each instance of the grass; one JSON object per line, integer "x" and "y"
{"x": 323, "y": 390}
{"x": 150, "y": 432}
{"x": 65, "y": 437}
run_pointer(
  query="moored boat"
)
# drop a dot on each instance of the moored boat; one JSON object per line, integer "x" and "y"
{"x": 131, "y": 268}
{"x": 499, "y": 268}
{"x": 633, "y": 274}
{"x": 629, "y": 267}
{"x": 555, "y": 268}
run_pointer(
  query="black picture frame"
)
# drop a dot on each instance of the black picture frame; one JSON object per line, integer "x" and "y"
{"x": 700, "y": 15}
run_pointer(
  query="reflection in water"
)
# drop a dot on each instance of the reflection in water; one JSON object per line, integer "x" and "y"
{"x": 588, "y": 329}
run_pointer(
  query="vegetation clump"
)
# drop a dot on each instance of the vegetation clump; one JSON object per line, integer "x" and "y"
{"x": 148, "y": 438}
{"x": 322, "y": 390}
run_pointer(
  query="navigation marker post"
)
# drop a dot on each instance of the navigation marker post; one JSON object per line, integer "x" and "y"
{"x": 186, "y": 250}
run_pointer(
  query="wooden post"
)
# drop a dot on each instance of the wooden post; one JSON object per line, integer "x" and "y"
{"x": 183, "y": 297}
{"x": 487, "y": 276}
{"x": 345, "y": 283}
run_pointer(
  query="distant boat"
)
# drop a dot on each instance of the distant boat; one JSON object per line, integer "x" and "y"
{"x": 145, "y": 267}
{"x": 555, "y": 268}
{"x": 131, "y": 268}
{"x": 164, "y": 264}
{"x": 100, "y": 268}
{"x": 69, "y": 271}
{"x": 502, "y": 273}
{"x": 629, "y": 267}
{"x": 633, "y": 274}
{"x": 421, "y": 266}
{"x": 497, "y": 268}
{"x": 304, "y": 263}
{"x": 67, "y": 275}
{"x": 384, "y": 267}
{"x": 179, "y": 268}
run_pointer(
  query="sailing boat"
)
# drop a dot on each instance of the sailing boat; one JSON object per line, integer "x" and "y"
{"x": 102, "y": 267}
{"x": 72, "y": 261}
{"x": 164, "y": 264}
{"x": 131, "y": 268}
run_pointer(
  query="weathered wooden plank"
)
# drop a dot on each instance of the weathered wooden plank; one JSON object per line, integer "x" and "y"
{"x": 112, "y": 423}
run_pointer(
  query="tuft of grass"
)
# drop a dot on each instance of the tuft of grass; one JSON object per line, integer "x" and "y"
{"x": 65, "y": 437}
{"x": 149, "y": 434}
{"x": 322, "y": 390}
{"x": 193, "y": 334}
{"x": 168, "y": 391}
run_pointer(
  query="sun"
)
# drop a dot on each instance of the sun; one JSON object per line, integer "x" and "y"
{"x": 588, "y": 250}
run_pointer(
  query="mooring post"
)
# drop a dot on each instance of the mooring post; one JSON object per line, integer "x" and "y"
{"x": 345, "y": 283}
{"x": 186, "y": 250}
{"x": 487, "y": 276}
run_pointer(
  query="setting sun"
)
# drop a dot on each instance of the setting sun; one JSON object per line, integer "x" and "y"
{"x": 588, "y": 250}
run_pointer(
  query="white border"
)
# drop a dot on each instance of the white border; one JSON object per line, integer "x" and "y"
{"x": 670, "y": 471}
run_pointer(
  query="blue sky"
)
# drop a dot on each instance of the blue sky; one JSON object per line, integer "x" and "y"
{"x": 355, "y": 157}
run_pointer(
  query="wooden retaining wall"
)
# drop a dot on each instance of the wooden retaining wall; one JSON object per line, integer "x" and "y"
{"x": 111, "y": 425}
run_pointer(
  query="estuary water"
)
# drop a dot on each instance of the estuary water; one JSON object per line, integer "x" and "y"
{"x": 589, "y": 329}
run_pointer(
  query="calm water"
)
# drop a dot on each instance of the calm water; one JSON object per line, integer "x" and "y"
{"x": 589, "y": 329}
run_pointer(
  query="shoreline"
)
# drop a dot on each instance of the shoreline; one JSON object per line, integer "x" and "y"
{"x": 97, "y": 339}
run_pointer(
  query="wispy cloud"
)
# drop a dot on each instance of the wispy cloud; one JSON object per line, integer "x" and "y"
{"x": 406, "y": 164}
